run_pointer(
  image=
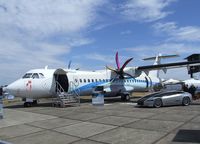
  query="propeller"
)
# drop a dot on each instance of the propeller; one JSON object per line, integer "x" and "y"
{"x": 69, "y": 64}
{"x": 120, "y": 71}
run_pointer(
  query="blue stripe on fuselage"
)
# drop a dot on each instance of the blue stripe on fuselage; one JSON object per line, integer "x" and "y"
{"x": 95, "y": 84}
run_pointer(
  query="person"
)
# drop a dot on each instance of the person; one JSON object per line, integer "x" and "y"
{"x": 1, "y": 91}
{"x": 192, "y": 91}
{"x": 185, "y": 88}
{"x": 1, "y": 102}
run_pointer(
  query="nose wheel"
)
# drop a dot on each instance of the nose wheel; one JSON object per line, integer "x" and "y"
{"x": 30, "y": 103}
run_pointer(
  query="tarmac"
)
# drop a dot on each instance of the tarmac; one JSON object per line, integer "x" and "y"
{"x": 114, "y": 123}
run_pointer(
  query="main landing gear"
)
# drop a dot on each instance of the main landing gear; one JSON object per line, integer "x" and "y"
{"x": 29, "y": 102}
{"x": 125, "y": 97}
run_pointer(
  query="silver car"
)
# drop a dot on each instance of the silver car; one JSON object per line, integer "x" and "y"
{"x": 159, "y": 99}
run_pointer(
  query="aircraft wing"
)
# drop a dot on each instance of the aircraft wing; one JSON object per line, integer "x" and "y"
{"x": 168, "y": 66}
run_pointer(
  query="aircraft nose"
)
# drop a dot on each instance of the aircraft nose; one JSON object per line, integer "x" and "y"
{"x": 12, "y": 88}
{"x": 5, "y": 89}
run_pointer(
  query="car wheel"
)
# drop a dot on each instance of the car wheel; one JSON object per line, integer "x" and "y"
{"x": 186, "y": 101}
{"x": 157, "y": 103}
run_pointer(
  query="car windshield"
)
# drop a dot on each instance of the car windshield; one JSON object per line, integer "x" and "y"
{"x": 168, "y": 93}
{"x": 152, "y": 95}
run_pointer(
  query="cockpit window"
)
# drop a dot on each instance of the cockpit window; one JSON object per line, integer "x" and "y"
{"x": 41, "y": 75}
{"x": 27, "y": 75}
{"x": 35, "y": 76}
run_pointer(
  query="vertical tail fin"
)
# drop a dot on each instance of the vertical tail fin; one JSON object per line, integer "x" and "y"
{"x": 155, "y": 73}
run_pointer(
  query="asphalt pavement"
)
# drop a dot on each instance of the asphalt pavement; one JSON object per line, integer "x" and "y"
{"x": 114, "y": 123}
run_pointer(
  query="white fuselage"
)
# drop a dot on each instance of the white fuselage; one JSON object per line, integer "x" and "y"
{"x": 192, "y": 81}
{"x": 41, "y": 83}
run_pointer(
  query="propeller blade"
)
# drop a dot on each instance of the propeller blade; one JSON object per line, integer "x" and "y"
{"x": 117, "y": 61}
{"x": 69, "y": 64}
{"x": 114, "y": 79}
{"x": 127, "y": 61}
{"x": 111, "y": 69}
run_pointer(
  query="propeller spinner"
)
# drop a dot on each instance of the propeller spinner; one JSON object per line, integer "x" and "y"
{"x": 120, "y": 71}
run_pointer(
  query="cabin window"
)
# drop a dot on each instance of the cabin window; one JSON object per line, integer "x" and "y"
{"x": 35, "y": 76}
{"x": 88, "y": 80}
{"x": 84, "y": 80}
{"x": 92, "y": 80}
{"x": 99, "y": 80}
{"x": 80, "y": 80}
{"x": 96, "y": 80}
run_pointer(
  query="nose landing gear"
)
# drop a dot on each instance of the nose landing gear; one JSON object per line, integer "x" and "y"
{"x": 29, "y": 102}
{"x": 125, "y": 97}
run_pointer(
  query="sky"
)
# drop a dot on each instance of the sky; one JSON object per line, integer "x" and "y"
{"x": 37, "y": 33}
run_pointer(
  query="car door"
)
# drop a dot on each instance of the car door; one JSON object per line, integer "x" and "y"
{"x": 172, "y": 98}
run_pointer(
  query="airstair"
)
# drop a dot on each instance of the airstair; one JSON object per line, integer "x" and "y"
{"x": 63, "y": 99}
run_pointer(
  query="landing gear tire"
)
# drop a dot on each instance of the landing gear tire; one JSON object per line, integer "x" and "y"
{"x": 28, "y": 104}
{"x": 35, "y": 102}
{"x": 125, "y": 97}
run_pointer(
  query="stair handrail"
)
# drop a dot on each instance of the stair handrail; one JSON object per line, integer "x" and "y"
{"x": 75, "y": 90}
{"x": 59, "y": 88}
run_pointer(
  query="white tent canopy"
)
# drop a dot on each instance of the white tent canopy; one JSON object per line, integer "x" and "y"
{"x": 172, "y": 81}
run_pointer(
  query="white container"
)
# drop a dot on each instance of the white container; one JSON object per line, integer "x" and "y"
{"x": 98, "y": 98}
{"x": 1, "y": 108}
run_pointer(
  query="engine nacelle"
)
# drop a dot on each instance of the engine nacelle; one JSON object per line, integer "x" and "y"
{"x": 133, "y": 71}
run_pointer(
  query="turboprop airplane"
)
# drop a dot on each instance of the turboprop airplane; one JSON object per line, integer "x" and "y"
{"x": 48, "y": 83}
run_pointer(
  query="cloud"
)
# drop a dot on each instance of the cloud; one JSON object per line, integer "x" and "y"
{"x": 36, "y": 33}
{"x": 126, "y": 32}
{"x": 145, "y": 11}
{"x": 99, "y": 57}
{"x": 182, "y": 49}
{"x": 105, "y": 59}
{"x": 47, "y": 16}
{"x": 176, "y": 33}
